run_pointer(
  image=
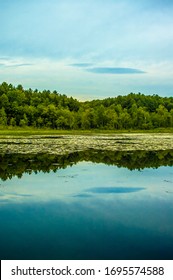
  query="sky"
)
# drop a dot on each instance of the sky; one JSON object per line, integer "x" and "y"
{"x": 88, "y": 49}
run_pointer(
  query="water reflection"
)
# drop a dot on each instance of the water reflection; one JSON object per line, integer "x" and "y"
{"x": 88, "y": 230}
{"x": 107, "y": 190}
{"x": 17, "y": 164}
{"x": 62, "y": 207}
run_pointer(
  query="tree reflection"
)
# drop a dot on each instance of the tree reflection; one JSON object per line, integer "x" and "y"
{"x": 17, "y": 164}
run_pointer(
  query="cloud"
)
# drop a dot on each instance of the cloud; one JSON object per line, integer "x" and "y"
{"x": 20, "y": 65}
{"x": 7, "y": 62}
{"x": 115, "y": 70}
{"x": 82, "y": 65}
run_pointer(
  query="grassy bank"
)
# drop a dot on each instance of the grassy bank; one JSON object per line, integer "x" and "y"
{"x": 35, "y": 131}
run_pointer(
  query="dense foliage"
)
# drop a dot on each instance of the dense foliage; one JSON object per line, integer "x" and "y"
{"x": 19, "y": 107}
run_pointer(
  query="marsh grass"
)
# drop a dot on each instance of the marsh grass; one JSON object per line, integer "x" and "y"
{"x": 35, "y": 131}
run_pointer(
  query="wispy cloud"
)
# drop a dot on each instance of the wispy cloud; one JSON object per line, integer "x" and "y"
{"x": 115, "y": 70}
{"x": 20, "y": 65}
{"x": 82, "y": 65}
{"x": 7, "y": 62}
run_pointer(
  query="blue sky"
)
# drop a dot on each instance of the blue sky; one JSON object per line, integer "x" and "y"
{"x": 88, "y": 48}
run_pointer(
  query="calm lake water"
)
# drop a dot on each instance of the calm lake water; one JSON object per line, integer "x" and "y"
{"x": 85, "y": 210}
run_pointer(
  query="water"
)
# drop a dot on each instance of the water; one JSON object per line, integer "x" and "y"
{"x": 85, "y": 210}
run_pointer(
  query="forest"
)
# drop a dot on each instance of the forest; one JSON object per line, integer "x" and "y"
{"x": 21, "y": 107}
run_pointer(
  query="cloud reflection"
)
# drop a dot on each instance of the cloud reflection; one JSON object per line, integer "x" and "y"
{"x": 115, "y": 190}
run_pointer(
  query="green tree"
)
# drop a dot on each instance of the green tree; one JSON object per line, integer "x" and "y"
{"x": 12, "y": 122}
{"x": 4, "y": 102}
{"x": 3, "y": 117}
{"x": 23, "y": 122}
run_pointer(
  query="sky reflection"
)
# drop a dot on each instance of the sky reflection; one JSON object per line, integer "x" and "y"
{"x": 107, "y": 190}
{"x": 88, "y": 211}
{"x": 86, "y": 178}
{"x": 91, "y": 229}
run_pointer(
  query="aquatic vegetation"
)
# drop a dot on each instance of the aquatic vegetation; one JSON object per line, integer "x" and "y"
{"x": 74, "y": 143}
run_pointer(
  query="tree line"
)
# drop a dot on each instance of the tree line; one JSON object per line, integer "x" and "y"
{"x": 45, "y": 109}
